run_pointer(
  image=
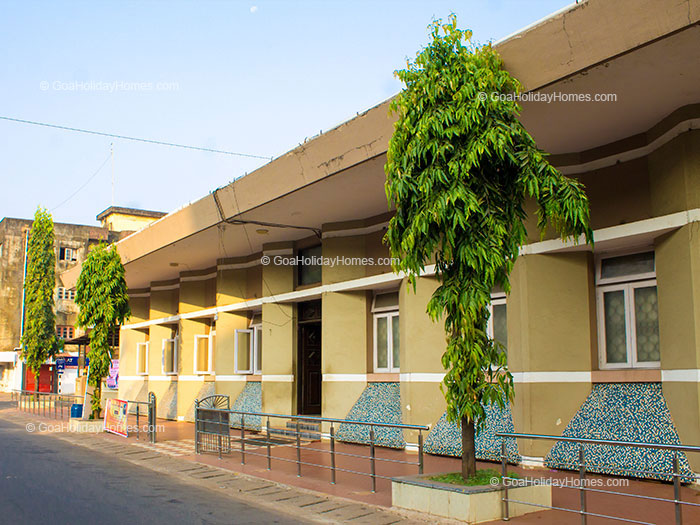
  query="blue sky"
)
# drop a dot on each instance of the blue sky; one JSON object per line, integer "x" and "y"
{"x": 254, "y": 77}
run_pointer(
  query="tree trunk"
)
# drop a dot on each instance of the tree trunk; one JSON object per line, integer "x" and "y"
{"x": 468, "y": 450}
{"x": 36, "y": 388}
{"x": 97, "y": 394}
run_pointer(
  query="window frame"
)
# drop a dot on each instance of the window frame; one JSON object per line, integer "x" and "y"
{"x": 255, "y": 331}
{"x": 389, "y": 315}
{"x": 496, "y": 299}
{"x": 176, "y": 355}
{"x": 209, "y": 354}
{"x": 627, "y": 284}
{"x": 645, "y": 276}
{"x": 139, "y": 347}
{"x": 630, "y": 324}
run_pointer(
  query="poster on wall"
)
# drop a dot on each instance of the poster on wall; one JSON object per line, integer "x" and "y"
{"x": 116, "y": 417}
{"x": 112, "y": 380}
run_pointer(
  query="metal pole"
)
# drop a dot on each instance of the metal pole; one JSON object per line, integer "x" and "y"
{"x": 269, "y": 454}
{"x": 138, "y": 427}
{"x": 242, "y": 439}
{"x": 372, "y": 460}
{"x": 332, "y": 454}
{"x": 298, "y": 451}
{"x": 420, "y": 452}
{"x": 196, "y": 426}
{"x": 504, "y": 474}
{"x": 677, "y": 489}
{"x": 155, "y": 418}
{"x": 582, "y": 481}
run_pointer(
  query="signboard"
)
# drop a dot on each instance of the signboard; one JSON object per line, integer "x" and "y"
{"x": 60, "y": 365}
{"x": 116, "y": 417}
{"x": 113, "y": 379}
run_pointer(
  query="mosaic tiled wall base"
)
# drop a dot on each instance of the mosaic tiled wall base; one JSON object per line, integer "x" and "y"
{"x": 250, "y": 400}
{"x": 380, "y": 402}
{"x": 207, "y": 389}
{"x": 624, "y": 412}
{"x": 446, "y": 438}
{"x": 166, "y": 404}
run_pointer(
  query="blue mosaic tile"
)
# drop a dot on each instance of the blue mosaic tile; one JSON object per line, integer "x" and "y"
{"x": 380, "y": 402}
{"x": 445, "y": 438}
{"x": 624, "y": 412}
{"x": 249, "y": 400}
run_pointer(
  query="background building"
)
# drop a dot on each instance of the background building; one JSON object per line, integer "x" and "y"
{"x": 73, "y": 241}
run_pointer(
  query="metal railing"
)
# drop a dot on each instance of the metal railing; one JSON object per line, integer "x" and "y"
{"x": 151, "y": 428}
{"x": 38, "y": 402}
{"x": 676, "y": 476}
{"x": 212, "y": 434}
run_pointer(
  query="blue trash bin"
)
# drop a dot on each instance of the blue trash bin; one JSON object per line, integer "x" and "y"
{"x": 76, "y": 410}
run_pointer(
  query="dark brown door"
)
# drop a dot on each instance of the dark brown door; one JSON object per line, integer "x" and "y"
{"x": 309, "y": 392}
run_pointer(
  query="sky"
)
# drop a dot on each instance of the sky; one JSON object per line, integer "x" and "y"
{"x": 254, "y": 77}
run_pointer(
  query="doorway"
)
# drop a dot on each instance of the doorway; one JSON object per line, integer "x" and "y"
{"x": 310, "y": 377}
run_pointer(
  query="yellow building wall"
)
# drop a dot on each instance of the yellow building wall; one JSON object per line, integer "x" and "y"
{"x": 550, "y": 330}
{"x": 279, "y": 343}
{"x": 121, "y": 222}
{"x": 422, "y": 345}
{"x": 677, "y": 265}
{"x": 345, "y": 333}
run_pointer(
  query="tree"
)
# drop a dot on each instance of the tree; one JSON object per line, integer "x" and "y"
{"x": 102, "y": 297}
{"x": 460, "y": 168}
{"x": 39, "y": 341}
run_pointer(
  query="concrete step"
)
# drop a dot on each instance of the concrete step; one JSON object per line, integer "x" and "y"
{"x": 305, "y": 435}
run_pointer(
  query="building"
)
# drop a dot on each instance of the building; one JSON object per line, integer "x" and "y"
{"x": 227, "y": 295}
{"x": 73, "y": 242}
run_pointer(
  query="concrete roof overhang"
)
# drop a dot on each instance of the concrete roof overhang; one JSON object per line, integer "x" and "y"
{"x": 643, "y": 51}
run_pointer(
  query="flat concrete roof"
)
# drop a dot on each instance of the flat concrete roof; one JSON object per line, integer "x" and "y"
{"x": 130, "y": 211}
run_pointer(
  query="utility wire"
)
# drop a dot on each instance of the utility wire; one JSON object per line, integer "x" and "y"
{"x": 84, "y": 184}
{"x": 135, "y": 139}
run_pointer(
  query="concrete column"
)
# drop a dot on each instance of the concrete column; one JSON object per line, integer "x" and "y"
{"x": 677, "y": 268}
{"x": 551, "y": 328}
{"x": 279, "y": 337}
{"x": 422, "y": 346}
{"x": 346, "y": 343}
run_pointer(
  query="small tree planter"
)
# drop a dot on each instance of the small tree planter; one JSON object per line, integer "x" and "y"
{"x": 476, "y": 504}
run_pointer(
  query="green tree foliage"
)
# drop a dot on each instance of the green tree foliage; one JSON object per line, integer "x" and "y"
{"x": 39, "y": 341}
{"x": 102, "y": 297}
{"x": 460, "y": 168}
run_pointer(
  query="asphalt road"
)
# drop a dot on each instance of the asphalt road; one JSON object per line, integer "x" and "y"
{"x": 45, "y": 480}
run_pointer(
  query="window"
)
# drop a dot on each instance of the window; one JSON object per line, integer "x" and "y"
{"x": 170, "y": 356}
{"x": 64, "y": 293}
{"x": 142, "y": 359}
{"x": 309, "y": 268}
{"x": 628, "y": 316}
{"x": 387, "y": 356}
{"x": 248, "y": 348}
{"x": 67, "y": 254}
{"x": 497, "y": 327}
{"x": 64, "y": 332}
{"x": 202, "y": 353}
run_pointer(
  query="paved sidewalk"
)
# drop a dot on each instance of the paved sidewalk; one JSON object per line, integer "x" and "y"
{"x": 293, "y": 501}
